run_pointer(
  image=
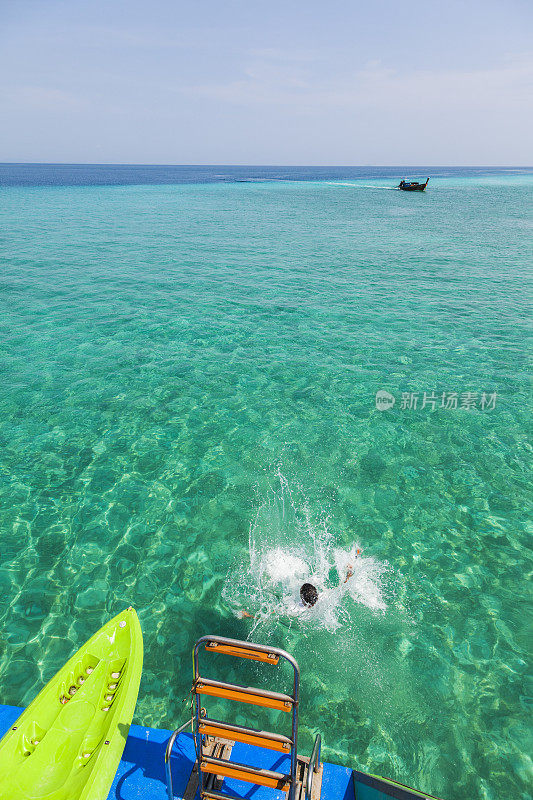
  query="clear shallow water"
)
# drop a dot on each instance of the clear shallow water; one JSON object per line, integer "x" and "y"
{"x": 187, "y": 406}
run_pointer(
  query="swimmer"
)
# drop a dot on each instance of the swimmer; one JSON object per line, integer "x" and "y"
{"x": 308, "y": 592}
{"x": 308, "y": 595}
{"x": 308, "y": 598}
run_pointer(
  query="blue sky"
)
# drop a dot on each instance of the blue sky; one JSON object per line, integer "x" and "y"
{"x": 227, "y": 82}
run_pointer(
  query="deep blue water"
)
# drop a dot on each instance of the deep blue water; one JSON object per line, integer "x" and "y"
{"x": 127, "y": 174}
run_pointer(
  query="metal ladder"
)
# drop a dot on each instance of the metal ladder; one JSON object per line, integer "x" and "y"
{"x": 214, "y": 739}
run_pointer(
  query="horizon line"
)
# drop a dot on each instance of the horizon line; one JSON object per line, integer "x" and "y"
{"x": 297, "y": 166}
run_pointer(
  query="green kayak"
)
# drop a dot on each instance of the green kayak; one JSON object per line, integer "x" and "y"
{"x": 67, "y": 744}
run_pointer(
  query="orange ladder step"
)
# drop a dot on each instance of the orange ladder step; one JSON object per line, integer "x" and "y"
{"x": 236, "y": 733}
{"x": 241, "y": 772}
{"x": 244, "y": 694}
{"x": 243, "y": 652}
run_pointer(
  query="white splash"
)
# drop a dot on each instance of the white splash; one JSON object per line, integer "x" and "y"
{"x": 287, "y": 548}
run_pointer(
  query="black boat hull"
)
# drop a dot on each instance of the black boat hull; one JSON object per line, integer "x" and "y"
{"x": 413, "y": 186}
{"x": 373, "y": 787}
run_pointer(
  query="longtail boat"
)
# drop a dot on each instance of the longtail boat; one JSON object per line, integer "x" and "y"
{"x": 413, "y": 186}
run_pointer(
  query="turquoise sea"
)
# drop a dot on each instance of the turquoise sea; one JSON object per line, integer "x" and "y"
{"x": 189, "y": 364}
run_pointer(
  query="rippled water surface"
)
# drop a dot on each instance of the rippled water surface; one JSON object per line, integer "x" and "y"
{"x": 188, "y": 425}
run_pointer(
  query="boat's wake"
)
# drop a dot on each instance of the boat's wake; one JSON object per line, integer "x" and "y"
{"x": 361, "y": 186}
{"x": 287, "y": 548}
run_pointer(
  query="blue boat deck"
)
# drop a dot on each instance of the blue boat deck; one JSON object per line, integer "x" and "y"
{"x": 141, "y": 772}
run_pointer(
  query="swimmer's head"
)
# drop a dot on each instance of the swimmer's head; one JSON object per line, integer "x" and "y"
{"x": 309, "y": 594}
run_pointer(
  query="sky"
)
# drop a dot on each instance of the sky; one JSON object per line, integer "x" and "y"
{"x": 336, "y": 82}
